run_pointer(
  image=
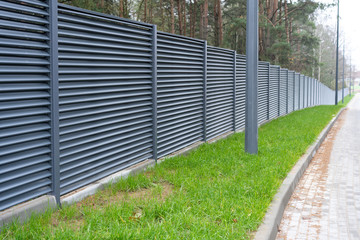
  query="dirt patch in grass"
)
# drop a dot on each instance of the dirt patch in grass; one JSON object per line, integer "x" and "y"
{"x": 75, "y": 222}
{"x": 159, "y": 191}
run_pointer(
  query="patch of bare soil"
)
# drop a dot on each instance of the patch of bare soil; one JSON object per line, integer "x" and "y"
{"x": 75, "y": 223}
{"x": 159, "y": 191}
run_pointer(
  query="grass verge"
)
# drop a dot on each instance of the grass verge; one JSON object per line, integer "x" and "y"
{"x": 215, "y": 192}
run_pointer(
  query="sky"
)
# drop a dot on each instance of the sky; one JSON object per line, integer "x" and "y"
{"x": 349, "y": 26}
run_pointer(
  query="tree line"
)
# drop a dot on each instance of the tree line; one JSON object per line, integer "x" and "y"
{"x": 287, "y": 31}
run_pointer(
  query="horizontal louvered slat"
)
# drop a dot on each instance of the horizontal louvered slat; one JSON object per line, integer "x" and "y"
{"x": 25, "y": 164}
{"x": 180, "y": 92}
{"x": 220, "y": 91}
{"x": 105, "y": 91}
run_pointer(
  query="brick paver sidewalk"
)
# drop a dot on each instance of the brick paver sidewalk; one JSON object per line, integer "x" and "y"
{"x": 326, "y": 202}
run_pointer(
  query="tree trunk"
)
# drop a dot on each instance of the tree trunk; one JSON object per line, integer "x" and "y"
{"x": 216, "y": 23}
{"x": 220, "y": 24}
{"x": 287, "y": 30}
{"x": 172, "y": 16}
{"x": 206, "y": 20}
{"x": 275, "y": 10}
{"x": 150, "y": 12}
{"x": 192, "y": 19}
{"x": 184, "y": 17}
{"x": 270, "y": 12}
{"x": 180, "y": 17}
{"x": 261, "y": 43}
{"x": 280, "y": 13}
{"x": 145, "y": 10}
{"x": 162, "y": 15}
{"x": 201, "y": 22}
{"x": 121, "y": 8}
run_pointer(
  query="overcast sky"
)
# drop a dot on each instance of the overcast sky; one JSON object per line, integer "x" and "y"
{"x": 349, "y": 26}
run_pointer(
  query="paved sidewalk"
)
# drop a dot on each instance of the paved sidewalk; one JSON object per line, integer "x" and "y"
{"x": 326, "y": 202}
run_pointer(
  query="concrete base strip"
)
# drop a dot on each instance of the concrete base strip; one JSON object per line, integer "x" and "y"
{"x": 24, "y": 211}
{"x": 269, "y": 228}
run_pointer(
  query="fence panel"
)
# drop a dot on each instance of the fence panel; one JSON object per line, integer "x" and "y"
{"x": 283, "y": 90}
{"x": 220, "y": 95}
{"x": 180, "y": 92}
{"x": 291, "y": 79}
{"x": 263, "y": 86}
{"x": 240, "y": 90}
{"x": 25, "y": 146}
{"x": 126, "y": 94}
{"x": 274, "y": 91}
{"x": 105, "y": 81}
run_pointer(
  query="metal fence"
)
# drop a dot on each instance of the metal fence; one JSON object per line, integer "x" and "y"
{"x": 84, "y": 95}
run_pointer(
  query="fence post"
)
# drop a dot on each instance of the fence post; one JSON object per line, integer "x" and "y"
{"x": 268, "y": 94}
{"x": 154, "y": 91}
{"x": 314, "y": 91}
{"x": 299, "y": 107}
{"x": 303, "y": 92}
{"x": 54, "y": 86}
{"x": 279, "y": 77}
{"x": 205, "y": 90}
{"x": 294, "y": 75}
{"x": 287, "y": 91}
{"x": 310, "y": 92}
{"x": 234, "y": 90}
{"x": 307, "y": 91}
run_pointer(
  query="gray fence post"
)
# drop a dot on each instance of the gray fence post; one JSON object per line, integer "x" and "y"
{"x": 268, "y": 99}
{"x": 287, "y": 91}
{"x": 279, "y": 75}
{"x": 205, "y": 90}
{"x": 154, "y": 90}
{"x": 294, "y": 75}
{"x": 307, "y": 91}
{"x": 234, "y": 91}
{"x": 314, "y": 91}
{"x": 304, "y": 91}
{"x": 54, "y": 86}
{"x": 299, "y": 106}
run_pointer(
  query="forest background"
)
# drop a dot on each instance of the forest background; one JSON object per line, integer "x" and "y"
{"x": 290, "y": 34}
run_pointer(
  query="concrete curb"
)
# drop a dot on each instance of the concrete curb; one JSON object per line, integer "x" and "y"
{"x": 269, "y": 228}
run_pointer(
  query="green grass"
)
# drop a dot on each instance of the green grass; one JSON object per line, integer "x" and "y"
{"x": 215, "y": 192}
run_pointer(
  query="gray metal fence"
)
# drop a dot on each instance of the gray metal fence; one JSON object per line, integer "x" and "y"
{"x": 84, "y": 95}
